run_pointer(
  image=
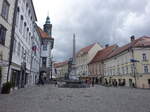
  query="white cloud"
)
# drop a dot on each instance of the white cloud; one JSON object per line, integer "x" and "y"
{"x": 103, "y": 21}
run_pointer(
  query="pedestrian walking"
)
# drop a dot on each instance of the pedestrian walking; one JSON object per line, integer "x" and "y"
{"x": 92, "y": 83}
{"x": 55, "y": 83}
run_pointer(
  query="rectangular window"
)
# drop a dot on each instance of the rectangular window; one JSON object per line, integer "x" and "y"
{"x": 126, "y": 69}
{"x": 144, "y": 57}
{"x": 2, "y": 34}
{"x": 14, "y": 47}
{"x": 19, "y": 49}
{"x": 44, "y": 47}
{"x": 145, "y": 69}
{"x": 5, "y": 9}
{"x": 21, "y": 24}
{"x": 44, "y": 61}
{"x": 25, "y": 55}
{"x": 17, "y": 17}
{"x": 24, "y": 29}
{"x": 123, "y": 72}
{"x": 22, "y": 52}
{"x": 118, "y": 70}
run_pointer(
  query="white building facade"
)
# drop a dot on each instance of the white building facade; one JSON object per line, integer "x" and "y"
{"x": 22, "y": 45}
{"x": 7, "y": 8}
{"x": 35, "y": 57}
{"x": 46, "y": 47}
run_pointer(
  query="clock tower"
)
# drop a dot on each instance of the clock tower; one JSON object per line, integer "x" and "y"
{"x": 48, "y": 26}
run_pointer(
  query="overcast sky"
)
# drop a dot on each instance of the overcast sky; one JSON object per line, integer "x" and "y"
{"x": 103, "y": 21}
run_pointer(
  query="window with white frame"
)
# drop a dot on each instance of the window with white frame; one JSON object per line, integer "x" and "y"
{"x": 2, "y": 34}
{"x": 145, "y": 68}
{"x": 27, "y": 33}
{"x": 144, "y": 57}
{"x": 21, "y": 24}
{"x": 24, "y": 29}
{"x": 127, "y": 69}
{"x": 25, "y": 55}
{"x": 29, "y": 38}
{"x": 19, "y": 49}
{"x": 22, "y": 52}
{"x": 17, "y": 16}
{"x": 14, "y": 46}
{"x": 132, "y": 68}
{"x": 123, "y": 72}
{"x": 44, "y": 47}
{"x": 5, "y": 9}
{"x": 118, "y": 70}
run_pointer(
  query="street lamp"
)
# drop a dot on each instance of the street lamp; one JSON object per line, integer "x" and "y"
{"x": 133, "y": 61}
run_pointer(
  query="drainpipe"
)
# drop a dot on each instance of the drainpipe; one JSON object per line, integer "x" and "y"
{"x": 12, "y": 38}
{"x": 133, "y": 63}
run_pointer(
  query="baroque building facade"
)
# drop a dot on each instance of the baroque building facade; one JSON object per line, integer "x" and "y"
{"x": 60, "y": 69}
{"x": 129, "y": 65}
{"x": 22, "y": 43}
{"x": 35, "y": 57}
{"x": 47, "y": 43}
{"x": 96, "y": 66}
{"x": 7, "y": 9}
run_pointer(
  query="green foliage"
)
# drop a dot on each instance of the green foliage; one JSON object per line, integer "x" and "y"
{"x": 6, "y": 88}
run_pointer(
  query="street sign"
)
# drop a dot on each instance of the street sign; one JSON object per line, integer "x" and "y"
{"x": 134, "y": 60}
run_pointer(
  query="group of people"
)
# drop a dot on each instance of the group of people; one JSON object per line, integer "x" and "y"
{"x": 90, "y": 82}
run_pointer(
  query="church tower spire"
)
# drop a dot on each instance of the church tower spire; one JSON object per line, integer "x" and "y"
{"x": 48, "y": 26}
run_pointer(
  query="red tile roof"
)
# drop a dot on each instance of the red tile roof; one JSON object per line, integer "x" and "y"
{"x": 85, "y": 49}
{"x": 42, "y": 33}
{"x": 140, "y": 42}
{"x": 60, "y": 64}
{"x": 102, "y": 54}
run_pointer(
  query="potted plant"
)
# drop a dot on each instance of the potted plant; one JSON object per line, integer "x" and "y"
{"x": 6, "y": 88}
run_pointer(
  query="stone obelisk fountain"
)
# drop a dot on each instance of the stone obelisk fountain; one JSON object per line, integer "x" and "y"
{"x": 73, "y": 75}
{"x": 73, "y": 81}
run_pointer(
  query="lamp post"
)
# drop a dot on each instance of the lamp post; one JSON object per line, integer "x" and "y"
{"x": 51, "y": 69}
{"x": 133, "y": 61}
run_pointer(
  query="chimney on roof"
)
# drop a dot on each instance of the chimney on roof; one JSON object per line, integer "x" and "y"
{"x": 132, "y": 38}
{"x": 107, "y": 45}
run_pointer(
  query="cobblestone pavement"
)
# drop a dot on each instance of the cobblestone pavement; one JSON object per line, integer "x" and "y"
{"x": 49, "y": 98}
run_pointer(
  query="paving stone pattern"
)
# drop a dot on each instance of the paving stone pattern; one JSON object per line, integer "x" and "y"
{"x": 49, "y": 98}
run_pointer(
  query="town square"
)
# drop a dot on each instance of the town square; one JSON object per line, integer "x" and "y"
{"x": 74, "y": 56}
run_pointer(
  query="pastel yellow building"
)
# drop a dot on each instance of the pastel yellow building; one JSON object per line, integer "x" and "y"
{"x": 129, "y": 65}
{"x": 84, "y": 56}
{"x": 61, "y": 69}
